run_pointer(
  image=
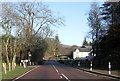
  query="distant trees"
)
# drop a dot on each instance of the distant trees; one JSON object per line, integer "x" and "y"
{"x": 86, "y": 43}
{"x": 54, "y": 46}
{"x": 30, "y": 23}
{"x": 57, "y": 45}
{"x": 105, "y": 25}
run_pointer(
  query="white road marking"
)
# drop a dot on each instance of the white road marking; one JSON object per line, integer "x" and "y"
{"x": 60, "y": 76}
{"x": 25, "y": 73}
{"x": 87, "y": 72}
{"x": 55, "y": 69}
{"x": 65, "y": 76}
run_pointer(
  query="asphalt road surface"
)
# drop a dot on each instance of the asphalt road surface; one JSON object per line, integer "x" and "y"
{"x": 52, "y": 70}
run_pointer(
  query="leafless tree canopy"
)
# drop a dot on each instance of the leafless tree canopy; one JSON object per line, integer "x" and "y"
{"x": 27, "y": 21}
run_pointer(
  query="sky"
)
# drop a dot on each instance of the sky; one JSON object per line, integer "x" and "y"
{"x": 75, "y": 16}
{"x": 75, "y": 13}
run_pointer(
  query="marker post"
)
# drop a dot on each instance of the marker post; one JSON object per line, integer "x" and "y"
{"x": 109, "y": 66}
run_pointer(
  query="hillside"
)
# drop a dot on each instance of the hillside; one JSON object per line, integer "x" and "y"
{"x": 65, "y": 49}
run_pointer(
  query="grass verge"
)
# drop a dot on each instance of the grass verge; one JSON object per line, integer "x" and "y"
{"x": 14, "y": 73}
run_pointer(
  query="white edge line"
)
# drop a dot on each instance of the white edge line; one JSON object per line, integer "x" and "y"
{"x": 65, "y": 76}
{"x": 86, "y": 72}
{"x": 25, "y": 73}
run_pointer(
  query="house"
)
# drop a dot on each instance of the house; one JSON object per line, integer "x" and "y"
{"x": 83, "y": 53}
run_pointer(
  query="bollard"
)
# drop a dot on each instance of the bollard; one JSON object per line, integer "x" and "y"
{"x": 30, "y": 63}
{"x": 78, "y": 64}
{"x": 24, "y": 65}
{"x": 33, "y": 63}
{"x": 91, "y": 66}
{"x": 109, "y": 66}
{"x": 20, "y": 64}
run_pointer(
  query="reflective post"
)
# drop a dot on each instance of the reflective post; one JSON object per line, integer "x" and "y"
{"x": 91, "y": 66}
{"x": 79, "y": 64}
{"x": 109, "y": 68}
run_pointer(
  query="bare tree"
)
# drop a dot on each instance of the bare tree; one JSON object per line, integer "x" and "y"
{"x": 94, "y": 22}
{"x": 32, "y": 17}
{"x": 27, "y": 19}
{"x": 7, "y": 25}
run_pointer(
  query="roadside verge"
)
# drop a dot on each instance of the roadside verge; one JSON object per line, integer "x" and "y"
{"x": 99, "y": 73}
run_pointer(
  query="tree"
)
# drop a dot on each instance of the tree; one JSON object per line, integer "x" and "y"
{"x": 94, "y": 21}
{"x": 28, "y": 20}
{"x": 32, "y": 18}
{"x": 54, "y": 46}
{"x": 57, "y": 45}
{"x": 6, "y": 25}
{"x": 85, "y": 42}
{"x": 51, "y": 46}
{"x": 38, "y": 50}
{"x": 110, "y": 41}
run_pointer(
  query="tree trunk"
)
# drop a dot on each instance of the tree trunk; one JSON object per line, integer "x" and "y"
{"x": 7, "y": 54}
{"x": 14, "y": 57}
{"x": 13, "y": 61}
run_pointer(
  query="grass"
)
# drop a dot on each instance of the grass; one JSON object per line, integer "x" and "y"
{"x": 14, "y": 73}
{"x": 0, "y": 69}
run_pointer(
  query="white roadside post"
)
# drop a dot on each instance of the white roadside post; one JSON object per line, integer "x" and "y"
{"x": 79, "y": 64}
{"x": 24, "y": 65}
{"x": 109, "y": 68}
{"x": 20, "y": 64}
{"x": 91, "y": 66}
{"x": 33, "y": 63}
{"x": 29, "y": 59}
{"x": 30, "y": 63}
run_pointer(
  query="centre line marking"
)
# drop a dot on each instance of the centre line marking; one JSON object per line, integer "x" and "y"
{"x": 60, "y": 76}
{"x": 55, "y": 68}
{"x": 65, "y": 76}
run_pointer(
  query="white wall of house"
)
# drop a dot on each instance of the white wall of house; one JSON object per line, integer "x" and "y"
{"x": 77, "y": 55}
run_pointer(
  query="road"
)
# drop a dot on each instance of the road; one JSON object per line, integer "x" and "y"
{"x": 52, "y": 70}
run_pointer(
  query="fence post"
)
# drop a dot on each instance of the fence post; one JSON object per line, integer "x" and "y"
{"x": 91, "y": 66}
{"x": 109, "y": 66}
